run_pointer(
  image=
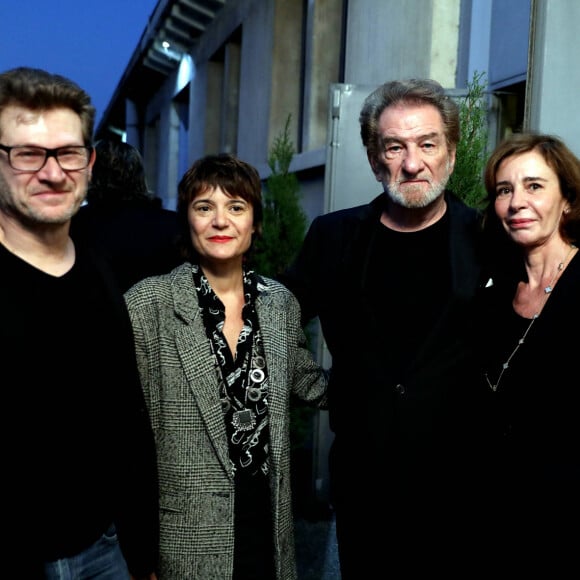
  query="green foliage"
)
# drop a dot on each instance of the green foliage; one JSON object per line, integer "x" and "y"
{"x": 284, "y": 224}
{"x": 467, "y": 178}
{"x": 284, "y": 228}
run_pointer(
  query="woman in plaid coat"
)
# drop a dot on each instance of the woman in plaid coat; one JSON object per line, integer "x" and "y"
{"x": 221, "y": 352}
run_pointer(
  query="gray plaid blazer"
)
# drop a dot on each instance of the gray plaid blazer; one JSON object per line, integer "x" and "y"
{"x": 180, "y": 382}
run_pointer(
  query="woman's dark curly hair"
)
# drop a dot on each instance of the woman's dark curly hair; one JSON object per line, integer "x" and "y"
{"x": 234, "y": 176}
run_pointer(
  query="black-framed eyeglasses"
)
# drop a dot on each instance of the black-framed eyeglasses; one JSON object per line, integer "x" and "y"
{"x": 32, "y": 158}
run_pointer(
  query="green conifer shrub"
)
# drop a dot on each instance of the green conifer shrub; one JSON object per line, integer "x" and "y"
{"x": 467, "y": 178}
{"x": 284, "y": 224}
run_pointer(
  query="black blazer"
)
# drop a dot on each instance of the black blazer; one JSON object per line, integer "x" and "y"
{"x": 374, "y": 413}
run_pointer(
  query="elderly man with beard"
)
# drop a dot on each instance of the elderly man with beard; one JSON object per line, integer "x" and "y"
{"x": 392, "y": 283}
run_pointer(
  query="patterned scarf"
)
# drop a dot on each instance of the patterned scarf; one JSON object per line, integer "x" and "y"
{"x": 243, "y": 380}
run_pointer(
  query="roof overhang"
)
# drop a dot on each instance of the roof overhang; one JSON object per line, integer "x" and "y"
{"x": 173, "y": 29}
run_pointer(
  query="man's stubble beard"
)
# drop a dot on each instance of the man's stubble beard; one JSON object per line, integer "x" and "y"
{"x": 27, "y": 214}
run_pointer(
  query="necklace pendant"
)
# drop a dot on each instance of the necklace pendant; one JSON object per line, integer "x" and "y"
{"x": 244, "y": 420}
{"x": 492, "y": 387}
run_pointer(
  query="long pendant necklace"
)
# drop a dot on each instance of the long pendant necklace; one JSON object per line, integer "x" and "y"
{"x": 547, "y": 292}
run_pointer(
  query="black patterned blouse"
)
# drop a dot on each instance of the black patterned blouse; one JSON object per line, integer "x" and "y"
{"x": 243, "y": 378}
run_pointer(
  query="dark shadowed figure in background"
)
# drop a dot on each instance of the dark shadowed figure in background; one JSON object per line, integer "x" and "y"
{"x": 136, "y": 234}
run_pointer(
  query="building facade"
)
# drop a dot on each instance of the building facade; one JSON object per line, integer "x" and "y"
{"x": 226, "y": 75}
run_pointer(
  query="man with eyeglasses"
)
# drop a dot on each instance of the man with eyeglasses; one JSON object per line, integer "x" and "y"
{"x": 79, "y": 460}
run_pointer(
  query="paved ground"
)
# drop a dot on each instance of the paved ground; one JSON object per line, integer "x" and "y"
{"x": 316, "y": 551}
{"x": 315, "y": 536}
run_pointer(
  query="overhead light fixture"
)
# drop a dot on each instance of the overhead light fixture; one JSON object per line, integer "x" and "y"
{"x": 169, "y": 50}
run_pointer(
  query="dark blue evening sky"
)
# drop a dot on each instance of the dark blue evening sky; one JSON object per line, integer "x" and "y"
{"x": 89, "y": 41}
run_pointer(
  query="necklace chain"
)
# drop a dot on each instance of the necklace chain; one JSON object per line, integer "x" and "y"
{"x": 547, "y": 291}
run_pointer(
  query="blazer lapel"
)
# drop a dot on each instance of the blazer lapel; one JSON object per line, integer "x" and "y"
{"x": 272, "y": 327}
{"x": 199, "y": 363}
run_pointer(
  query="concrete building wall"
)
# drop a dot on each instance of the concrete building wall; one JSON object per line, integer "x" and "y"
{"x": 322, "y": 66}
{"x": 256, "y": 81}
{"x": 259, "y": 61}
{"x": 387, "y": 40}
{"x": 554, "y": 77}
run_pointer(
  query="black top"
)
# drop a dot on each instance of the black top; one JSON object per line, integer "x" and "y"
{"x": 408, "y": 281}
{"x": 81, "y": 454}
{"x": 534, "y": 442}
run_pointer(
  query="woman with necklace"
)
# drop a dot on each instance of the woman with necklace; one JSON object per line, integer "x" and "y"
{"x": 531, "y": 316}
{"x": 221, "y": 352}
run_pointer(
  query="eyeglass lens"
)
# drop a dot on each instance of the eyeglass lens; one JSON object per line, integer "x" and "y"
{"x": 34, "y": 158}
